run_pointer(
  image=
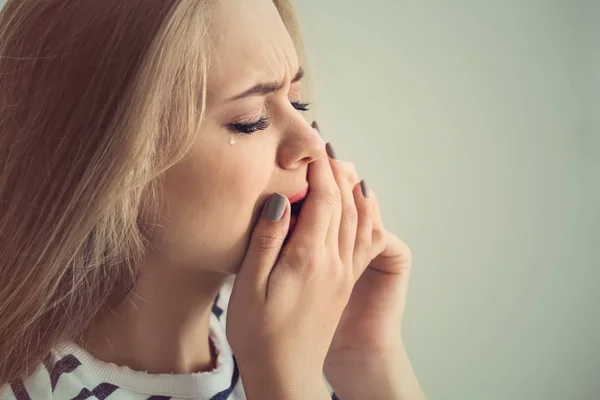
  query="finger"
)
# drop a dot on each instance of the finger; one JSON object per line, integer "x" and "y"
{"x": 352, "y": 174}
{"x": 349, "y": 215}
{"x": 364, "y": 232}
{"x": 378, "y": 238}
{"x": 321, "y": 204}
{"x": 265, "y": 244}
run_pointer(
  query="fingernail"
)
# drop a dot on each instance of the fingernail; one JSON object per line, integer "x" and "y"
{"x": 364, "y": 188}
{"x": 276, "y": 207}
{"x": 316, "y": 127}
{"x": 330, "y": 151}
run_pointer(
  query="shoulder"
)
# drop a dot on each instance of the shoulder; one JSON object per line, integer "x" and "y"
{"x": 36, "y": 386}
{"x": 59, "y": 378}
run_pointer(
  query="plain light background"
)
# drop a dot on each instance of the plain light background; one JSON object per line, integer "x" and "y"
{"x": 477, "y": 123}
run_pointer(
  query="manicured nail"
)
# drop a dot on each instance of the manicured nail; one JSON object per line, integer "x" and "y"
{"x": 276, "y": 207}
{"x": 364, "y": 188}
{"x": 316, "y": 127}
{"x": 330, "y": 151}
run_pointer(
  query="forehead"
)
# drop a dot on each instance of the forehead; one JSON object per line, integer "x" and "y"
{"x": 248, "y": 43}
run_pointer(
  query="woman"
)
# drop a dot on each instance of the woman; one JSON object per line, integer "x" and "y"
{"x": 140, "y": 141}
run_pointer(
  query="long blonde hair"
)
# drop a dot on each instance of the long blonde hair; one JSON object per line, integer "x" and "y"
{"x": 97, "y": 100}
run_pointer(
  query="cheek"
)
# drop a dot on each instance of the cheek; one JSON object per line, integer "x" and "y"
{"x": 209, "y": 206}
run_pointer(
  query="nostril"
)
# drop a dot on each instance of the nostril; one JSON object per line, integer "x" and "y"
{"x": 306, "y": 160}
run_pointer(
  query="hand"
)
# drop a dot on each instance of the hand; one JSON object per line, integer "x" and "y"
{"x": 287, "y": 300}
{"x": 370, "y": 326}
{"x": 367, "y": 358}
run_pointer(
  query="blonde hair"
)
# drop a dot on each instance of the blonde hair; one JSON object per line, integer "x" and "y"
{"x": 97, "y": 100}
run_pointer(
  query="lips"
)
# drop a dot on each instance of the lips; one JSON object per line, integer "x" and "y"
{"x": 296, "y": 202}
{"x": 299, "y": 196}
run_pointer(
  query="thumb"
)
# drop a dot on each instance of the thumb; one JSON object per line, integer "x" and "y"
{"x": 266, "y": 243}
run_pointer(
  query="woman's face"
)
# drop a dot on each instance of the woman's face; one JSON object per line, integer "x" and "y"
{"x": 214, "y": 196}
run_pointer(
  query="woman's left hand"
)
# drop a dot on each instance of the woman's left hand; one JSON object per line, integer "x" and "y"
{"x": 370, "y": 327}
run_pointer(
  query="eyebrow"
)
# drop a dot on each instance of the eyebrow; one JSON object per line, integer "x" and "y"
{"x": 264, "y": 89}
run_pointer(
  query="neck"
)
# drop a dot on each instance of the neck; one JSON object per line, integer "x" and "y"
{"x": 162, "y": 325}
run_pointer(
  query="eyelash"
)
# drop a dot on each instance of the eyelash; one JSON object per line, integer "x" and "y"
{"x": 263, "y": 122}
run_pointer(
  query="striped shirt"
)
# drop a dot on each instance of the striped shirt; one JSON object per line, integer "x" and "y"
{"x": 73, "y": 374}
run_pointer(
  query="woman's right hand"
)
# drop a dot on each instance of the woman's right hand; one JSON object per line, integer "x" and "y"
{"x": 287, "y": 300}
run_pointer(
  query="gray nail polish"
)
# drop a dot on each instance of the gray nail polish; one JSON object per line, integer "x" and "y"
{"x": 276, "y": 207}
{"x": 315, "y": 126}
{"x": 364, "y": 188}
{"x": 330, "y": 151}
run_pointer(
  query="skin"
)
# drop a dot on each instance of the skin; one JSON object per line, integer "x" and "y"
{"x": 215, "y": 195}
{"x": 213, "y": 200}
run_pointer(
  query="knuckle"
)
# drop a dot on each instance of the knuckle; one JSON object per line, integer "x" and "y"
{"x": 312, "y": 258}
{"x": 330, "y": 197}
{"x": 336, "y": 269}
{"x": 365, "y": 212}
{"x": 338, "y": 266}
{"x": 408, "y": 254}
{"x": 344, "y": 281}
{"x": 312, "y": 262}
{"x": 347, "y": 167}
{"x": 362, "y": 256}
{"x": 339, "y": 169}
{"x": 364, "y": 238}
{"x": 269, "y": 241}
{"x": 405, "y": 263}
{"x": 293, "y": 254}
{"x": 352, "y": 171}
{"x": 304, "y": 257}
{"x": 378, "y": 236}
{"x": 350, "y": 214}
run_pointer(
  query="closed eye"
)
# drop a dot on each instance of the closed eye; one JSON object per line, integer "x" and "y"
{"x": 263, "y": 123}
{"x": 249, "y": 128}
{"x": 300, "y": 106}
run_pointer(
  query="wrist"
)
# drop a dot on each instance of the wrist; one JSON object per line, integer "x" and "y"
{"x": 349, "y": 366}
{"x": 387, "y": 375}
{"x": 267, "y": 382}
{"x": 364, "y": 359}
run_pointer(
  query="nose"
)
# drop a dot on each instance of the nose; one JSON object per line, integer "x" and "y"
{"x": 302, "y": 144}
